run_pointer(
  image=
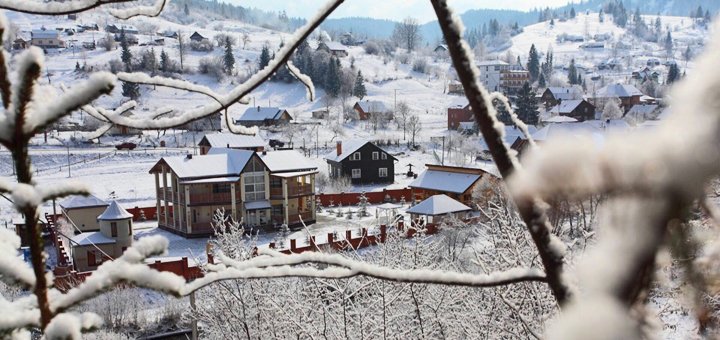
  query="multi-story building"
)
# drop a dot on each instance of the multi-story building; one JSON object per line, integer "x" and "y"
{"x": 260, "y": 189}
{"x": 511, "y": 81}
{"x": 490, "y": 71}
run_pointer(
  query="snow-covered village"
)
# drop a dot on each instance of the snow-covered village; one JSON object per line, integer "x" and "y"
{"x": 346, "y": 169}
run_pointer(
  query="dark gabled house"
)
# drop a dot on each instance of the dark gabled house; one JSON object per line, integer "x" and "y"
{"x": 264, "y": 116}
{"x": 362, "y": 161}
{"x": 335, "y": 48}
{"x": 366, "y": 109}
{"x": 581, "y": 109}
{"x": 197, "y": 37}
{"x": 554, "y": 95}
{"x": 231, "y": 141}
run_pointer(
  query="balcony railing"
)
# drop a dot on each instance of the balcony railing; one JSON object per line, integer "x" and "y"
{"x": 210, "y": 198}
{"x": 293, "y": 190}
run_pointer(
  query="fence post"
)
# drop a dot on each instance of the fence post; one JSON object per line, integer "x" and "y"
{"x": 383, "y": 233}
{"x": 292, "y": 245}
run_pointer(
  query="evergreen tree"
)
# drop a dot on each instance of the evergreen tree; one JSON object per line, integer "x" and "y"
{"x": 533, "y": 64}
{"x": 228, "y": 59}
{"x": 669, "y": 44}
{"x": 673, "y": 74}
{"x": 332, "y": 78}
{"x": 542, "y": 83}
{"x": 125, "y": 54}
{"x": 264, "y": 57}
{"x": 164, "y": 61}
{"x": 186, "y": 10}
{"x": 77, "y": 66}
{"x": 527, "y": 107}
{"x": 572, "y": 73}
{"x": 699, "y": 14}
{"x": 359, "y": 88}
{"x": 130, "y": 90}
{"x": 572, "y": 13}
{"x": 601, "y": 16}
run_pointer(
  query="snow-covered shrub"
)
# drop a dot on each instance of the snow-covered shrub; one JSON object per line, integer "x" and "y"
{"x": 420, "y": 65}
{"x": 201, "y": 46}
{"x": 372, "y": 48}
{"x": 115, "y": 66}
{"x": 212, "y": 66}
{"x": 403, "y": 58}
{"x": 107, "y": 42}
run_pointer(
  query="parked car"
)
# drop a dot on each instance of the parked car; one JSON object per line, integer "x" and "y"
{"x": 126, "y": 146}
{"x": 274, "y": 143}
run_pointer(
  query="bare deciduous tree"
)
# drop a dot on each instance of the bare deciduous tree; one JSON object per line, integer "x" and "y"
{"x": 407, "y": 33}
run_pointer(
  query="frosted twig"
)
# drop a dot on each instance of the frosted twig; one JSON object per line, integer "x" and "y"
{"x": 13, "y": 268}
{"x": 4, "y": 76}
{"x": 77, "y": 6}
{"x": 147, "y": 11}
{"x": 532, "y": 210}
{"x": 303, "y": 79}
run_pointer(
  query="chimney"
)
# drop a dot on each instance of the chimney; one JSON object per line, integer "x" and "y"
{"x": 228, "y": 145}
{"x": 258, "y": 108}
{"x": 264, "y": 153}
{"x": 189, "y": 156}
{"x": 339, "y": 148}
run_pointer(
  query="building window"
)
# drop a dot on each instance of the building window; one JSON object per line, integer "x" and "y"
{"x": 355, "y": 157}
{"x": 355, "y": 173}
{"x": 275, "y": 182}
{"x": 130, "y": 228}
{"x": 383, "y": 156}
{"x": 277, "y": 210}
{"x": 382, "y": 172}
{"x": 254, "y": 186}
{"x": 113, "y": 229}
{"x": 375, "y": 155}
{"x": 221, "y": 188}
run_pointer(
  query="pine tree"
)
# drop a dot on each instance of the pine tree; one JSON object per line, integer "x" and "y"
{"x": 77, "y": 66}
{"x": 572, "y": 73}
{"x": 332, "y": 78}
{"x": 673, "y": 74}
{"x": 527, "y": 107}
{"x": 533, "y": 64}
{"x": 601, "y": 16}
{"x": 669, "y": 44}
{"x": 542, "y": 82}
{"x": 264, "y": 57}
{"x": 229, "y": 59}
{"x": 130, "y": 90}
{"x": 164, "y": 61}
{"x": 125, "y": 54}
{"x": 572, "y": 13}
{"x": 186, "y": 10}
{"x": 359, "y": 88}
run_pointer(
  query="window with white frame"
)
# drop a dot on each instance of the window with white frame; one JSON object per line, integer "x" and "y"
{"x": 382, "y": 172}
{"x": 375, "y": 155}
{"x": 254, "y": 186}
{"x": 355, "y": 173}
{"x": 355, "y": 157}
{"x": 383, "y": 156}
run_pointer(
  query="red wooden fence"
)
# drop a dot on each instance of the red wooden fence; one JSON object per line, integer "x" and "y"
{"x": 374, "y": 197}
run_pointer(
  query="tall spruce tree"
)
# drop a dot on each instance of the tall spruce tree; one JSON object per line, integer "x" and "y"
{"x": 359, "y": 88}
{"x": 572, "y": 73}
{"x": 332, "y": 78}
{"x": 533, "y": 64}
{"x": 228, "y": 59}
{"x": 673, "y": 74}
{"x": 527, "y": 106}
{"x": 164, "y": 62}
{"x": 669, "y": 44}
{"x": 264, "y": 57}
{"x": 125, "y": 54}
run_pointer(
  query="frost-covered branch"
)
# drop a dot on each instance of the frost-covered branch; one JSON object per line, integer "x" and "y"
{"x": 532, "y": 210}
{"x": 303, "y": 79}
{"x": 280, "y": 265}
{"x": 13, "y": 268}
{"x": 4, "y": 75}
{"x": 77, "y": 6}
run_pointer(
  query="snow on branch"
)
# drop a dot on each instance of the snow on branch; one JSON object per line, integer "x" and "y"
{"x": 71, "y": 325}
{"x": 76, "y": 6}
{"x": 18, "y": 314}
{"x": 28, "y": 66}
{"x": 303, "y": 79}
{"x": 129, "y": 267}
{"x": 4, "y": 76}
{"x": 12, "y": 268}
{"x": 222, "y": 102}
{"x": 280, "y": 265}
{"x": 147, "y": 11}
{"x": 531, "y": 209}
{"x": 98, "y": 84}
{"x": 145, "y": 79}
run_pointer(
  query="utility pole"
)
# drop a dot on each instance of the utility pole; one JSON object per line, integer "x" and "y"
{"x": 442, "y": 160}
{"x": 194, "y": 335}
{"x": 68, "y": 154}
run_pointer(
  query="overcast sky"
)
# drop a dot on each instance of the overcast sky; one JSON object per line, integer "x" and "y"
{"x": 391, "y": 9}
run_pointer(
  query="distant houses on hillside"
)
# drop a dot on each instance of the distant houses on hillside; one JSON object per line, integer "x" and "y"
{"x": 230, "y": 141}
{"x": 264, "y": 116}
{"x": 579, "y": 109}
{"x": 46, "y": 38}
{"x": 368, "y": 108}
{"x": 335, "y": 48}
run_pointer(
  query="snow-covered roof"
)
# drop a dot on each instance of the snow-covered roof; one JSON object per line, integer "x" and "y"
{"x": 619, "y": 91}
{"x": 373, "y": 106}
{"x": 217, "y": 163}
{"x": 593, "y": 128}
{"x": 213, "y": 180}
{"x": 348, "y": 147}
{"x": 560, "y": 119}
{"x": 438, "y": 205}
{"x": 459, "y": 102}
{"x": 492, "y": 63}
{"x": 76, "y": 202}
{"x": 566, "y": 106}
{"x": 294, "y": 174}
{"x": 286, "y": 160}
{"x": 260, "y": 113}
{"x": 335, "y": 46}
{"x": 45, "y": 34}
{"x": 255, "y": 205}
{"x": 511, "y": 134}
{"x": 564, "y": 93}
{"x": 114, "y": 212}
{"x": 226, "y": 139}
{"x": 447, "y": 181}
{"x": 643, "y": 109}
{"x": 93, "y": 237}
